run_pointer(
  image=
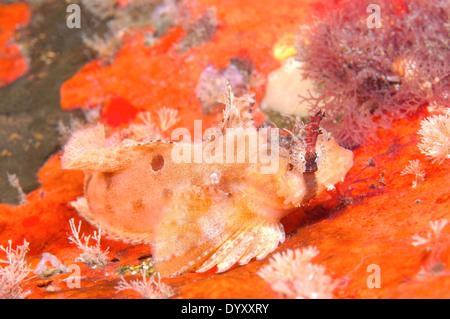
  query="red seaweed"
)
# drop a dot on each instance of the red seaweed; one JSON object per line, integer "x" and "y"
{"x": 366, "y": 76}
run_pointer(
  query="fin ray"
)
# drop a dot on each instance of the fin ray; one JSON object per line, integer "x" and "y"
{"x": 205, "y": 235}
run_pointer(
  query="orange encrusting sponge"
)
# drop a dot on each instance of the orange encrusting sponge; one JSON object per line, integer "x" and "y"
{"x": 12, "y": 63}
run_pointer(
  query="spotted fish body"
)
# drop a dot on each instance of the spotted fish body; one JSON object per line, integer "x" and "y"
{"x": 198, "y": 215}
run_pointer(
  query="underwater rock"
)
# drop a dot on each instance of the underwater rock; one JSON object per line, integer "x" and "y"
{"x": 284, "y": 86}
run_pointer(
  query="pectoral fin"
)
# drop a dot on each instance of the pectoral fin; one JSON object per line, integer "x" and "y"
{"x": 203, "y": 236}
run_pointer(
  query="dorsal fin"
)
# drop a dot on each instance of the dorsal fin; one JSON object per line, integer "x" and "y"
{"x": 238, "y": 110}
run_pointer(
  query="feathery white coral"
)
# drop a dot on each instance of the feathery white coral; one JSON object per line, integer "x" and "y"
{"x": 435, "y": 131}
{"x": 146, "y": 129}
{"x": 292, "y": 274}
{"x": 148, "y": 288}
{"x": 415, "y": 168}
{"x": 14, "y": 182}
{"x": 143, "y": 131}
{"x": 102, "y": 9}
{"x": 105, "y": 47}
{"x": 167, "y": 118}
{"x": 92, "y": 255}
{"x": 66, "y": 130}
{"x": 15, "y": 272}
{"x": 432, "y": 236}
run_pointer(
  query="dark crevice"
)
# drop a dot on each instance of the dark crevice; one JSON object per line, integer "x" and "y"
{"x": 30, "y": 106}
